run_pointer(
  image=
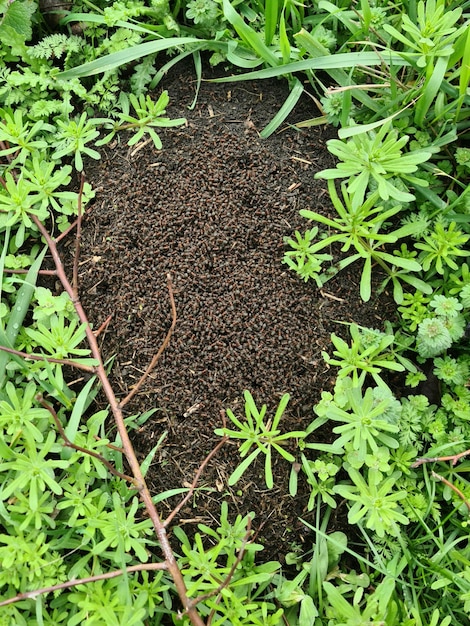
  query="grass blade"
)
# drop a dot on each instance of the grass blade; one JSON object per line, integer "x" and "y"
{"x": 351, "y": 131}
{"x": 198, "y": 69}
{"x": 430, "y": 90}
{"x": 289, "y": 104}
{"x": 163, "y": 70}
{"x": 464, "y": 78}
{"x": 327, "y": 62}
{"x": 271, "y": 13}
{"x": 18, "y": 313}
{"x": 116, "y": 59}
{"x": 92, "y": 18}
{"x": 144, "y": 466}
{"x": 81, "y": 404}
{"x": 284, "y": 43}
{"x": 248, "y": 35}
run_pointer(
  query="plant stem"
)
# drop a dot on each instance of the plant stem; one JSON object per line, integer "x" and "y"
{"x": 81, "y": 581}
{"x": 129, "y": 452}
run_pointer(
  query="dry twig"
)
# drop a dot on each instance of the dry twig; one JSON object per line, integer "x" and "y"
{"x": 116, "y": 409}
{"x": 154, "y": 360}
{"x": 82, "y": 581}
{"x": 453, "y": 487}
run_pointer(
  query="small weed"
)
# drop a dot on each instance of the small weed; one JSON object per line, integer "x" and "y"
{"x": 265, "y": 436}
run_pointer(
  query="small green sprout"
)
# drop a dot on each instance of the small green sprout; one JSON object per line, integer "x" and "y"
{"x": 265, "y": 436}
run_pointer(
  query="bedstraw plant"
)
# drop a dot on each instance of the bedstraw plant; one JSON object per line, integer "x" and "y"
{"x": 360, "y": 229}
{"x": 376, "y": 158}
{"x": 266, "y": 436}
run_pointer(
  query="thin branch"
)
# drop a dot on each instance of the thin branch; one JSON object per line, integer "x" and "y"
{"x": 111, "y": 446}
{"x": 453, "y": 487}
{"x": 65, "y": 232}
{"x": 70, "y": 444}
{"x": 154, "y": 360}
{"x": 455, "y": 458}
{"x": 131, "y": 457}
{"x": 103, "y": 326}
{"x": 78, "y": 238}
{"x": 21, "y": 271}
{"x": 82, "y": 581}
{"x": 211, "y": 454}
{"x": 29, "y": 356}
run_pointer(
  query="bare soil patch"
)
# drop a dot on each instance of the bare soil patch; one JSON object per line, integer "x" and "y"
{"x": 212, "y": 209}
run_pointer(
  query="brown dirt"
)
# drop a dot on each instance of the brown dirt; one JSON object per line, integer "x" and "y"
{"x": 212, "y": 209}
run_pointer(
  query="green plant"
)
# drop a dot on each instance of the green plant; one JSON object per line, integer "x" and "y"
{"x": 375, "y": 501}
{"x": 232, "y": 554}
{"x": 378, "y": 607}
{"x": 431, "y": 35}
{"x": 303, "y": 258}
{"x": 302, "y": 595}
{"x": 441, "y": 325}
{"x": 433, "y": 44}
{"x": 401, "y": 71}
{"x": 72, "y": 137}
{"x": 376, "y": 157}
{"x": 321, "y": 481}
{"x": 369, "y": 353}
{"x": 21, "y": 137}
{"x": 18, "y": 203}
{"x": 358, "y": 227}
{"x": 365, "y": 425}
{"x": 149, "y": 115}
{"x": 441, "y": 248}
{"x": 266, "y": 436}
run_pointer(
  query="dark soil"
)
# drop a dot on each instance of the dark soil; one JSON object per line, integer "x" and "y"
{"x": 212, "y": 210}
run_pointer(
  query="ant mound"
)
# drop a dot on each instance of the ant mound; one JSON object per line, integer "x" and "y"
{"x": 211, "y": 210}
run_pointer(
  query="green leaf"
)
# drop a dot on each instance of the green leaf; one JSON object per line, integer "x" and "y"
{"x": 417, "y": 283}
{"x": 284, "y": 43}
{"x": 268, "y": 472}
{"x": 248, "y": 35}
{"x": 366, "y": 279}
{"x": 292, "y": 99}
{"x": 342, "y": 608}
{"x": 271, "y": 13}
{"x": 82, "y": 402}
{"x": 241, "y": 469}
{"x": 408, "y": 264}
{"x": 280, "y": 410}
{"x": 327, "y": 62}
{"x": 308, "y": 611}
{"x": 430, "y": 90}
{"x": 144, "y": 466}
{"x": 18, "y": 313}
{"x": 464, "y": 79}
{"x": 93, "y": 18}
{"x": 351, "y": 131}
{"x": 18, "y": 17}
{"x": 123, "y": 57}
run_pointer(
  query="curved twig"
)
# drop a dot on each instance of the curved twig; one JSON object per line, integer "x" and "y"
{"x": 130, "y": 455}
{"x": 31, "y": 356}
{"x": 155, "y": 358}
{"x": 82, "y": 581}
{"x": 179, "y": 506}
